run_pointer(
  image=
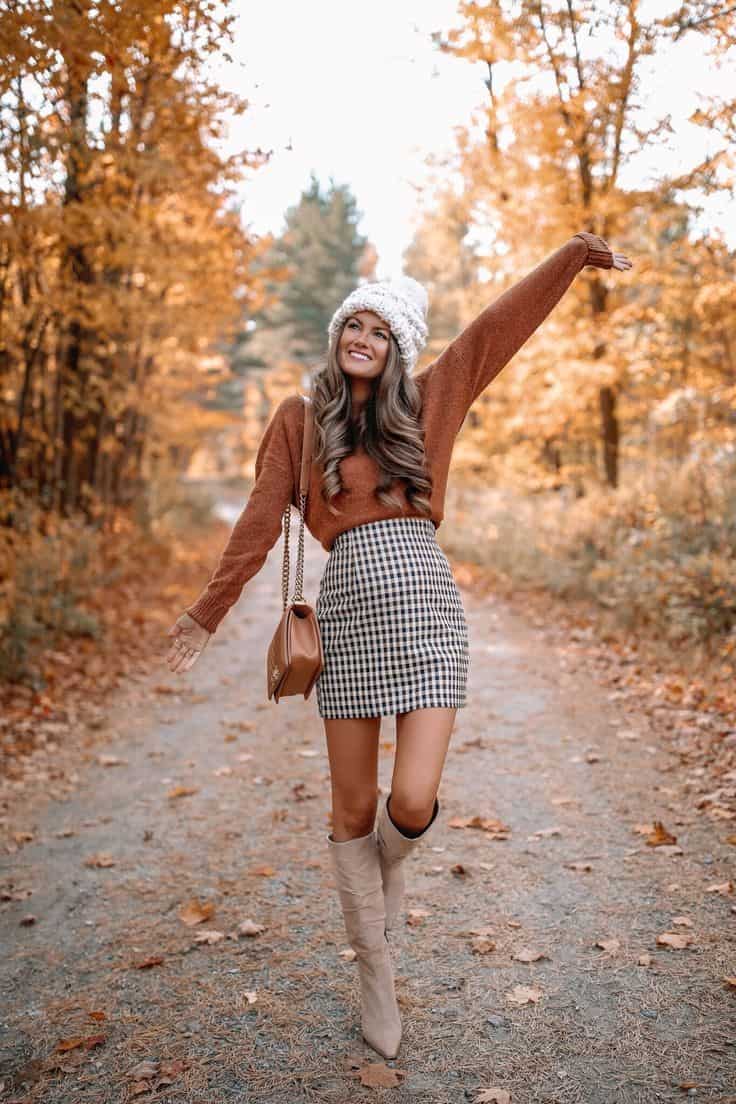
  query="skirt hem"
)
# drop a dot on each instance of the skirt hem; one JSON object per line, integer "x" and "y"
{"x": 387, "y": 712}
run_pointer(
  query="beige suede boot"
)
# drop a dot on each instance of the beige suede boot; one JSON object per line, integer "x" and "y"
{"x": 358, "y": 876}
{"x": 393, "y": 847}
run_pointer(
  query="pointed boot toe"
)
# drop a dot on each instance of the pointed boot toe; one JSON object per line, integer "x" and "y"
{"x": 380, "y": 1019}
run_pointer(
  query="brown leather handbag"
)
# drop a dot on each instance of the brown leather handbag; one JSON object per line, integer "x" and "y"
{"x": 295, "y": 659}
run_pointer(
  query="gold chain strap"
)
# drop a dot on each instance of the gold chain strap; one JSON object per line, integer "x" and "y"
{"x": 298, "y": 595}
{"x": 286, "y": 522}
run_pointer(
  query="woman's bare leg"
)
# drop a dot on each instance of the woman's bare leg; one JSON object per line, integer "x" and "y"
{"x": 422, "y": 740}
{"x": 352, "y": 747}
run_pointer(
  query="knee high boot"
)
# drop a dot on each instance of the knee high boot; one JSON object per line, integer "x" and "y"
{"x": 358, "y": 875}
{"x": 393, "y": 847}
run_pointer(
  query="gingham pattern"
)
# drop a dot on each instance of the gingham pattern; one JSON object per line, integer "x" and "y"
{"x": 394, "y": 632}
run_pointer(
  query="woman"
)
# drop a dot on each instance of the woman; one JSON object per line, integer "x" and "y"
{"x": 394, "y": 633}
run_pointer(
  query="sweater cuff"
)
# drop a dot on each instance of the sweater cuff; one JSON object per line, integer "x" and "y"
{"x": 207, "y": 612}
{"x": 600, "y": 254}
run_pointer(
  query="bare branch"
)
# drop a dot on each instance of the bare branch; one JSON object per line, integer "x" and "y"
{"x": 693, "y": 24}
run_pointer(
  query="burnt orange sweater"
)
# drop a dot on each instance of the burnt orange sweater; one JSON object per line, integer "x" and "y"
{"x": 449, "y": 386}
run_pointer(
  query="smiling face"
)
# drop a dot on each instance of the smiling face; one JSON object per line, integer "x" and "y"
{"x": 364, "y": 344}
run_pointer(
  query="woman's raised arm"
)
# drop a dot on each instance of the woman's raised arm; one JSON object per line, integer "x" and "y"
{"x": 469, "y": 363}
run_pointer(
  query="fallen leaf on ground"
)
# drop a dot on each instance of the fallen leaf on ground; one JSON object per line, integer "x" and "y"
{"x": 416, "y": 916}
{"x": 610, "y": 946}
{"x": 682, "y": 921}
{"x": 209, "y": 937}
{"x": 458, "y": 870}
{"x": 100, "y": 859}
{"x": 250, "y": 927}
{"x": 98, "y": 1016}
{"x": 263, "y": 871}
{"x": 377, "y": 1075}
{"x": 348, "y": 954}
{"x": 182, "y": 791}
{"x": 723, "y": 888}
{"x": 644, "y": 959}
{"x": 151, "y": 1075}
{"x": 301, "y": 793}
{"x": 145, "y": 1070}
{"x": 582, "y": 867}
{"x": 307, "y": 753}
{"x": 148, "y": 963}
{"x": 86, "y": 1041}
{"x": 476, "y": 741}
{"x": 111, "y": 761}
{"x": 251, "y": 995}
{"x": 493, "y": 1096}
{"x": 677, "y": 940}
{"x": 524, "y": 994}
{"x": 526, "y": 954}
{"x": 660, "y": 835}
{"x": 481, "y": 944}
{"x": 496, "y": 828}
{"x": 10, "y": 894}
{"x": 222, "y": 772}
{"x": 542, "y": 833}
{"x": 196, "y": 912}
{"x": 28, "y": 921}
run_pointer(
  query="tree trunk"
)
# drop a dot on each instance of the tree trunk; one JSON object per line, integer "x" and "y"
{"x": 606, "y": 395}
{"x": 610, "y": 435}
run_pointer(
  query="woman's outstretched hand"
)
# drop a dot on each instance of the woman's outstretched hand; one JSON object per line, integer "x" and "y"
{"x": 190, "y": 640}
{"x": 620, "y": 260}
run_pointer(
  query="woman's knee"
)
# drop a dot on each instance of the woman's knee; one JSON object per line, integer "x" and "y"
{"x": 353, "y": 813}
{"x": 411, "y": 808}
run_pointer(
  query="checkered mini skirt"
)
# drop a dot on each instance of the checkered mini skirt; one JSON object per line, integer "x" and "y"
{"x": 393, "y": 627}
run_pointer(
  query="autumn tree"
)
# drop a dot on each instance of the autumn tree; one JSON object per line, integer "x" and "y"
{"x": 122, "y": 255}
{"x": 557, "y": 140}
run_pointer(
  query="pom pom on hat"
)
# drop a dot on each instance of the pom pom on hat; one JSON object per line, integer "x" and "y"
{"x": 401, "y": 302}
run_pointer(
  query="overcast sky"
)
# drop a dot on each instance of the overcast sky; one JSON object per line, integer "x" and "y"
{"x": 359, "y": 93}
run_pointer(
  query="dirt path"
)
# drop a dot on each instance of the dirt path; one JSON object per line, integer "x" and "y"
{"x": 274, "y": 1016}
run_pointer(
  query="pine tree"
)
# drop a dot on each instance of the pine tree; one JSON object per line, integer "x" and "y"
{"x": 310, "y": 268}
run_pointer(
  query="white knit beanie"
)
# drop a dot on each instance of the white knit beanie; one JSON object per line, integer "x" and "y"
{"x": 402, "y": 303}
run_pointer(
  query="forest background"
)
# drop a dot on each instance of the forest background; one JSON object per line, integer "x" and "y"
{"x": 146, "y": 335}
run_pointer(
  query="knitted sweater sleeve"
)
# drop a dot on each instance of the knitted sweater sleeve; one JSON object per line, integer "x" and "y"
{"x": 469, "y": 363}
{"x": 256, "y": 530}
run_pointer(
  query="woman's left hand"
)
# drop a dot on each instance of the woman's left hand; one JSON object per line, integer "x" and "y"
{"x": 621, "y": 261}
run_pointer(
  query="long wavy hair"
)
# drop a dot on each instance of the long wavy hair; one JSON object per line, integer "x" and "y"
{"x": 387, "y": 426}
